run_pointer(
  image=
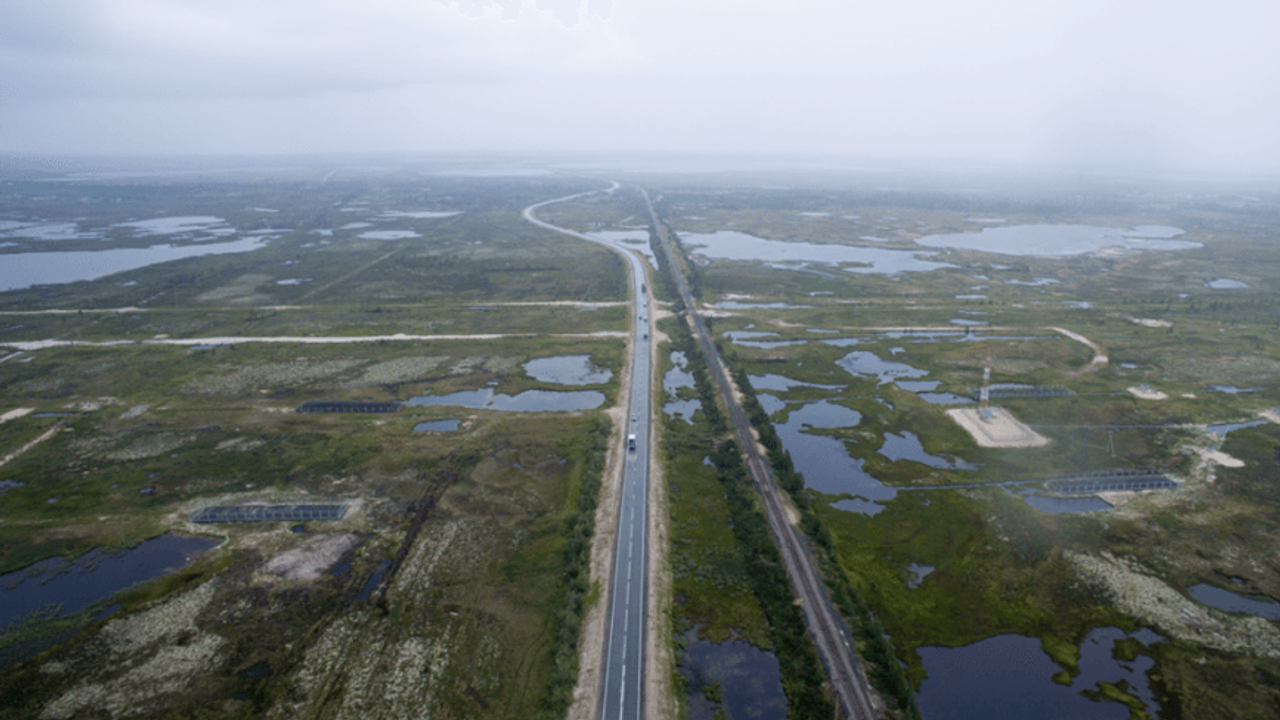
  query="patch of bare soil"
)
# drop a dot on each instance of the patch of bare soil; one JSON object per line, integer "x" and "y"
{"x": 586, "y": 692}
{"x": 311, "y": 560}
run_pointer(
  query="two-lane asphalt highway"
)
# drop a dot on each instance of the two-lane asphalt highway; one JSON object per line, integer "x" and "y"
{"x": 622, "y": 690}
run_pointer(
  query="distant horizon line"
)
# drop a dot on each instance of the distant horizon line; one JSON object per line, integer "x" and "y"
{"x": 672, "y": 162}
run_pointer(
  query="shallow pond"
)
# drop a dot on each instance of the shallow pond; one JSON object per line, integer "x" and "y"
{"x": 1235, "y": 602}
{"x": 22, "y": 270}
{"x": 527, "y": 401}
{"x": 733, "y": 245}
{"x": 74, "y": 586}
{"x": 907, "y": 446}
{"x": 866, "y": 364}
{"x": 389, "y": 235}
{"x": 419, "y": 214}
{"x": 749, "y": 679}
{"x": 567, "y": 370}
{"x": 781, "y": 383}
{"x": 179, "y": 224}
{"x": 944, "y": 398}
{"x": 735, "y": 305}
{"x": 824, "y": 460}
{"x": 919, "y": 573}
{"x": 1222, "y": 430}
{"x": 678, "y": 376}
{"x": 1056, "y": 240}
{"x": 438, "y": 426}
{"x": 1010, "y": 676}
{"x": 1233, "y": 390}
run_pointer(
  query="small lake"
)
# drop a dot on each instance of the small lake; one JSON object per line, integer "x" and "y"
{"x": 1234, "y": 602}
{"x": 1232, "y": 389}
{"x": 418, "y": 214}
{"x": 734, "y": 245}
{"x": 735, "y": 305}
{"x": 824, "y": 460}
{"x": 1222, "y": 430}
{"x": 1010, "y": 676}
{"x": 745, "y": 338}
{"x": 1059, "y": 240}
{"x": 907, "y": 446}
{"x": 567, "y": 370}
{"x": 438, "y": 426}
{"x": 944, "y": 398}
{"x": 389, "y": 235}
{"x": 22, "y": 270}
{"x": 750, "y": 679}
{"x": 781, "y": 383}
{"x": 179, "y": 224}
{"x": 1225, "y": 284}
{"x": 868, "y": 365}
{"x": 919, "y": 573}
{"x": 676, "y": 378}
{"x": 74, "y": 586}
{"x": 527, "y": 401}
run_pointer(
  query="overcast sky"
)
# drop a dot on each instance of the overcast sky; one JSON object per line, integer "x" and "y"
{"x": 1131, "y": 83}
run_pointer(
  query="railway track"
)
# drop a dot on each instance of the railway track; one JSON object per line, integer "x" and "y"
{"x": 830, "y": 635}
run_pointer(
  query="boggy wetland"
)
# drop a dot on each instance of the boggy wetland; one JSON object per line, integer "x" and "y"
{"x": 1097, "y": 539}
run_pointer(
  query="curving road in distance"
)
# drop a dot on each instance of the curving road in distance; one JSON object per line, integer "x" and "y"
{"x": 622, "y": 691}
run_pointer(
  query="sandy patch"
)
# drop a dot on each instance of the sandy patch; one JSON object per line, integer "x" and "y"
{"x": 1218, "y": 457}
{"x": 1272, "y": 415}
{"x": 41, "y": 438}
{"x": 1153, "y": 601}
{"x": 1099, "y": 357}
{"x": 14, "y": 414}
{"x": 1002, "y": 431}
{"x": 1146, "y": 392}
{"x": 1148, "y": 322}
{"x": 311, "y": 560}
{"x": 179, "y": 653}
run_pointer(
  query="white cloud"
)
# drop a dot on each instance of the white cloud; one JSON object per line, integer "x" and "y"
{"x": 1143, "y": 81}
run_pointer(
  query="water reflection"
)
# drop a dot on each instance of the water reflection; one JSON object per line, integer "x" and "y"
{"x": 866, "y": 364}
{"x": 823, "y": 460}
{"x": 749, "y": 680}
{"x": 1010, "y": 676}
{"x": 74, "y": 586}
{"x": 1234, "y": 602}
{"x": 1056, "y": 240}
{"x": 907, "y": 446}
{"x": 23, "y": 270}
{"x": 733, "y": 245}
{"x": 567, "y": 370}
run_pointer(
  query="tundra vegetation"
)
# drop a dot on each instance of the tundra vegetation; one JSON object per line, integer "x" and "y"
{"x": 455, "y": 582}
{"x": 998, "y": 564}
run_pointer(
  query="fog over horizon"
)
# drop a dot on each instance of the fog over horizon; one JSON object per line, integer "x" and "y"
{"x": 1144, "y": 85}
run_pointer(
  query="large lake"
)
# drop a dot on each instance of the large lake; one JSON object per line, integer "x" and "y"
{"x": 1051, "y": 240}
{"x": 733, "y": 245}
{"x": 23, "y": 270}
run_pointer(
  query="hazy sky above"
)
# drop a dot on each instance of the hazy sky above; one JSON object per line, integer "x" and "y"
{"x": 1136, "y": 83}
